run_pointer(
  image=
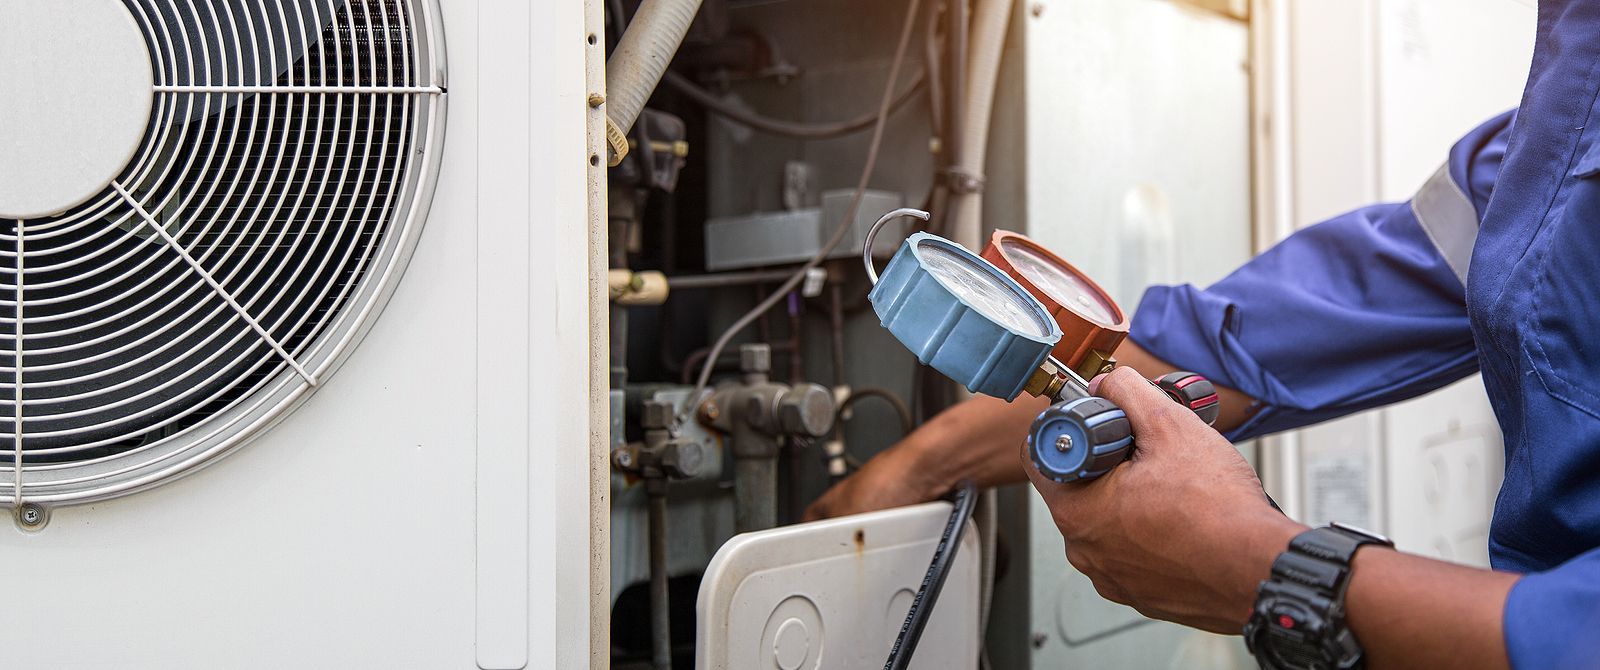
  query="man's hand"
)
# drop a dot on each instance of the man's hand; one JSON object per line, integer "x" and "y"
{"x": 890, "y": 479}
{"x": 1182, "y": 531}
{"x": 973, "y": 440}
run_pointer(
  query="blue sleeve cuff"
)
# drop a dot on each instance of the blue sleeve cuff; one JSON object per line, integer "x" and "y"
{"x": 1552, "y": 618}
{"x": 1183, "y": 323}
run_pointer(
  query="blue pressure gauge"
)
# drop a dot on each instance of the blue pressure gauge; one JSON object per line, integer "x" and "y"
{"x": 963, "y": 316}
{"x": 971, "y": 321}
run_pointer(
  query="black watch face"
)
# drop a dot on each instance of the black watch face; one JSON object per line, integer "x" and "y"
{"x": 1289, "y": 637}
{"x": 1286, "y": 649}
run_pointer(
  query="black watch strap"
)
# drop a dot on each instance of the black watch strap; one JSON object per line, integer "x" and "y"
{"x": 1320, "y": 558}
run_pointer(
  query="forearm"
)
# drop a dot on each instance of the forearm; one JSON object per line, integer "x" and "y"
{"x": 976, "y": 440}
{"x": 1409, "y": 612}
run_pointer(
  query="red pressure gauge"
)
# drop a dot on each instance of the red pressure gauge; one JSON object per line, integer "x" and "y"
{"x": 1092, "y": 325}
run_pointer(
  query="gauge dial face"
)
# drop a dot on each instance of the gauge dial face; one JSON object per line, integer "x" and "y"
{"x": 1062, "y": 286}
{"x": 973, "y": 282}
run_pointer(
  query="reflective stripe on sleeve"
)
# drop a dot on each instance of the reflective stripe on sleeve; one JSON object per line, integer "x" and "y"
{"x": 1449, "y": 219}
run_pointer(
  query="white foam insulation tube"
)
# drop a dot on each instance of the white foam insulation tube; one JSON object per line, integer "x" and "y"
{"x": 990, "y": 20}
{"x": 636, "y": 66}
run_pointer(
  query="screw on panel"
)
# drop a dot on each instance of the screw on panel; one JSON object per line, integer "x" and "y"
{"x": 31, "y": 516}
{"x": 623, "y": 458}
{"x": 596, "y": 99}
{"x": 1039, "y": 639}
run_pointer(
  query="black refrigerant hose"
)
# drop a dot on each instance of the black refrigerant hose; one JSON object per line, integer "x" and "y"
{"x": 944, "y": 555}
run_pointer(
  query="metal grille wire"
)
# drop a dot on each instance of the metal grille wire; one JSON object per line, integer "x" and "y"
{"x": 253, "y": 237}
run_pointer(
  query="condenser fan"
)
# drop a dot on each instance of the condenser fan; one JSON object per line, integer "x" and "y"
{"x": 203, "y": 205}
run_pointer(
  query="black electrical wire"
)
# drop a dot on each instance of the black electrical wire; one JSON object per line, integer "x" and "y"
{"x": 900, "y": 408}
{"x": 796, "y": 129}
{"x": 944, "y": 555}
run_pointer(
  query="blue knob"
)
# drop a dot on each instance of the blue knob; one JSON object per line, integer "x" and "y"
{"x": 1079, "y": 439}
{"x": 963, "y": 316}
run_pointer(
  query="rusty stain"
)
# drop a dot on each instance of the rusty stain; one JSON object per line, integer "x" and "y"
{"x": 861, "y": 541}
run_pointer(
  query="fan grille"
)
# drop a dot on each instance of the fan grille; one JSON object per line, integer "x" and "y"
{"x": 265, "y": 217}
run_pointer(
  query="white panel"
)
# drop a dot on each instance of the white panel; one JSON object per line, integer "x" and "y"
{"x": 558, "y": 252}
{"x": 1138, "y": 141}
{"x": 1138, "y": 172}
{"x": 1333, "y": 98}
{"x": 1445, "y": 464}
{"x": 357, "y": 532}
{"x": 1339, "y": 473}
{"x": 1447, "y": 65}
{"x": 342, "y": 537}
{"x": 504, "y": 359}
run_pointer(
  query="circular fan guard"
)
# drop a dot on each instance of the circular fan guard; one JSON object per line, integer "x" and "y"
{"x": 226, "y": 271}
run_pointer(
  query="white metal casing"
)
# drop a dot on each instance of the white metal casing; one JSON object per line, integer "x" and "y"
{"x": 433, "y": 504}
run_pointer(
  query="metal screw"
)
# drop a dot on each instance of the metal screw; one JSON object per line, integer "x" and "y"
{"x": 623, "y": 458}
{"x": 1036, "y": 9}
{"x": 1064, "y": 443}
{"x": 1039, "y": 639}
{"x": 31, "y": 515}
{"x": 595, "y": 100}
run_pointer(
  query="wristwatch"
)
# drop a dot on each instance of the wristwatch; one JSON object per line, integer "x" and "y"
{"x": 1299, "y": 617}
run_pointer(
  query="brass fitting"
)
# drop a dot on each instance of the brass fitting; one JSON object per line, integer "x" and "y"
{"x": 636, "y": 288}
{"x": 1095, "y": 363}
{"x": 1047, "y": 380}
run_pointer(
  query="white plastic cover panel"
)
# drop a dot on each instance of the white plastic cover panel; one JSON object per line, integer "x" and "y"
{"x": 833, "y": 594}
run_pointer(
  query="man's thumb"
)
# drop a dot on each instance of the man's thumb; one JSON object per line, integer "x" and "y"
{"x": 1150, "y": 411}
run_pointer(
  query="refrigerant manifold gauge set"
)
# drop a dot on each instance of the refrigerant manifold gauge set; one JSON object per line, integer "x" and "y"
{"x": 1019, "y": 319}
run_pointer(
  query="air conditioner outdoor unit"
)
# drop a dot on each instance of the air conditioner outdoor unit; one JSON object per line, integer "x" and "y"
{"x": 308, "y": 236}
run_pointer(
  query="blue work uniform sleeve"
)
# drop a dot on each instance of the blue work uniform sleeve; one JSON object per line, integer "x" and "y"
{"x": 1362, "y": 310}
{"x": 1552, "y": 618}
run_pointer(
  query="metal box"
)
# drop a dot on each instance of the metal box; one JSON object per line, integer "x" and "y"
{"x": 792, "y": 236}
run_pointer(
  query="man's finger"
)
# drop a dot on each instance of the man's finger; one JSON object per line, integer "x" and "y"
{"x": 1150, "y": 411}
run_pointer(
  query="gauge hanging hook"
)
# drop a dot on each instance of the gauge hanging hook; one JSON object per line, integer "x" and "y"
{"x": 872, "y": 235}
